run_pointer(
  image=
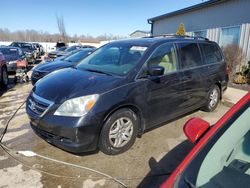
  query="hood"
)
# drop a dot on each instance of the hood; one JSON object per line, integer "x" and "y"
{"x": 52, "y": 66}
{"x": 65, "y": 84}
{"x": 11, "y": 58}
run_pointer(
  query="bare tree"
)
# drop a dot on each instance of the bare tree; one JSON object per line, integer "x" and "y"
{"x": 31, "y": 35}
{"x": 61, "y": 27}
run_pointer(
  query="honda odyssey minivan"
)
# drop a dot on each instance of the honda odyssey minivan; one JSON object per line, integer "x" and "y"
{"x": 125, "y": 88}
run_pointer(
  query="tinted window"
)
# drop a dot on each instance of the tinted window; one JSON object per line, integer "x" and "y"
{"x": 189, "y": 55}
{"x": 164, "y": 56}
{"x": 62, "y": 49}
{"x": 211, "y": 53}
{"x": 78, "y": 56}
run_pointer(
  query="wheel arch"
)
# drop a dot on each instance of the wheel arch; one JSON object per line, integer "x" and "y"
{"x": 136, "y": 110}
{"x": 220, "y": 87}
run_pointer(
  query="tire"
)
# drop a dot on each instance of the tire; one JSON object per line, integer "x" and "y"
{"x": 119, "y": 132}
{"x": 5, "y": 77}
{"x": 212, "y": 99}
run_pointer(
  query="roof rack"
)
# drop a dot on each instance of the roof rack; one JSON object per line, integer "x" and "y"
{"x": 178, "y": 36}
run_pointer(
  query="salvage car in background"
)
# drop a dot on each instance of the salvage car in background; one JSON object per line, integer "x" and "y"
{"x": 52, "y": 55}
{"x": 221, "y": 157}
{"x": 39, "y": 49}
{"x": 4, "y": 79}
{"x": 43, "y": 69}
{"x": 12, "y": 56}
{"x": 28, "y": 49}
{"x": 125, "y": 88}
{"x": 64, "y": 52}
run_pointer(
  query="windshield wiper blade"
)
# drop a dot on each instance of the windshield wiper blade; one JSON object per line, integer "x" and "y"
{"x": 98, "y": 71}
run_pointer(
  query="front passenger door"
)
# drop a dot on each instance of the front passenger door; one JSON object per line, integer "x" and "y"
{"x": 164, "y": 93}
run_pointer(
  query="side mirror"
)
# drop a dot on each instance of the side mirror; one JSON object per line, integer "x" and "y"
{"x": 195, "y": 128}
{"x": 156, "y": 71}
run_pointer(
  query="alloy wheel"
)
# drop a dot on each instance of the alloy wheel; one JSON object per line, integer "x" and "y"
{"x": 120, "y": 132}
{"x": 214, "y": 97}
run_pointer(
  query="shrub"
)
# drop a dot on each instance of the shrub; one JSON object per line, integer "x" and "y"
{"x": 243, "y": 76}
{"x": 234, "y": 57}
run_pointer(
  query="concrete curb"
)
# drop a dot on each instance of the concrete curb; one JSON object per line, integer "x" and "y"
{"x": 232, "y": 96}
{"x": 227, "y": 103}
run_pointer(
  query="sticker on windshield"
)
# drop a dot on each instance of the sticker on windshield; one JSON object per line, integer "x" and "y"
{"x": 13, "y": 49}
{"x": 138, "y": 48}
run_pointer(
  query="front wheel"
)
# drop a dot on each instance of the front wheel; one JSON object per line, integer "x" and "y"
{"x": 213, "y": 99}
{"x": 119, "y": 132}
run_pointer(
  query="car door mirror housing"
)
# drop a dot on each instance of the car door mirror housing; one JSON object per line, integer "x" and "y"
{"x": 156, "y": 71}
{"x": 195, "y": 128}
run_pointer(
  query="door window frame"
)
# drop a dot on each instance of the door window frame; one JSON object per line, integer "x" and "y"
{"x": 204, "y": 56}
{"x": 145, "y": 64}
{"x": 179, "y": 56}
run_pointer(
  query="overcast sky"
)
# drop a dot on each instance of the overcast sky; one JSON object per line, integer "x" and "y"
{"x": 94, "y": 17}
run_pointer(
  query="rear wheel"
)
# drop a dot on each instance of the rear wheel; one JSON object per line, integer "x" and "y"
{"x": 213, "y": 99}
{"x": 5, "y": 77}
{"x": 119, "y": 132}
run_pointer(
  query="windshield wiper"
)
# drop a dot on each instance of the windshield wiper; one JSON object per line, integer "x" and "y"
{"x": 98, "y": 71}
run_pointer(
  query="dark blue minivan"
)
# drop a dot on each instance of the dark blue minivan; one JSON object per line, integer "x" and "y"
{"x": 125, "y": 88}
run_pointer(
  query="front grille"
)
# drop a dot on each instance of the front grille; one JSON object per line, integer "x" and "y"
{"x": 50, "y": 136}
{"x": 38, "y": 105}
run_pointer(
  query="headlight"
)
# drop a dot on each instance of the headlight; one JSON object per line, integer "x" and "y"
{"x": 11, "y": 62}
{"x": 77, "y": 107}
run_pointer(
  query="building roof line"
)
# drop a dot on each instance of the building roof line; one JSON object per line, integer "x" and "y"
{"x": 184, "y": 10}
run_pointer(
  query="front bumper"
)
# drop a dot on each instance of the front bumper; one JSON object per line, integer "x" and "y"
{"x": 72, "y": 134}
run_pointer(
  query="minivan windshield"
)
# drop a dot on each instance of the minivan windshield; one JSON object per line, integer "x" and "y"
{"x": 114, "y": 59}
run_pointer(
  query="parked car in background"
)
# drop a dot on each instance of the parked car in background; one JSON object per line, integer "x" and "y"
{"x": 40, "y": 49}
{"x": 53, "y": 55}
{"x": 221, "y": 156}
{"x": 67, "y": 51}
{"x": 28, "y": 49}
{"x": 60, "y": 45}
{"x": 12, "y": 56}
{"x": 68, "y": 61}
{"x": 125, "y": 88}
{"x": 4, "y": 78}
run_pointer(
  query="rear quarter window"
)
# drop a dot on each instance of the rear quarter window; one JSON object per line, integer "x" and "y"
{"x": 211, "y": 53}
